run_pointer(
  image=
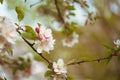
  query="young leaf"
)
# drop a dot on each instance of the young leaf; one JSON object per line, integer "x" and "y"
{"x": 10, "y": 52}
{"x": 39, "y": 24}
{"x": 108, "y": 47}
{"x": 1, "y": 1}
{"x": 29, "y": 33}
{"x": 49, "y": 73}
{"x": 72, "y": 14}
{"x": 20, "y": 13}
{"x": 21, "y": 58}
{"x": 28, "y": 36}
{"x": 70, "y": 7}
{"x": 109, "y": 55}
{"x": 14, "y": 71}
{"x": 119, "y": 57}
{"x": 70, "y": 78}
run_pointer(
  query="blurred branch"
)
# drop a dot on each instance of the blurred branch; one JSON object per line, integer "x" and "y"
{"x": 31, "y": 45}
{"x": 60, "y": 14}
{"x": 35, "y": 3}
{"x": 98, "y": 60}
{"x": 82, "y": 3}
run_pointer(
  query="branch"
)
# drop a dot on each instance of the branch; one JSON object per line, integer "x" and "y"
{"x": 98, "y": 60}
{"x": 31, "y": 45}
{"x": 35, "y": 3}
{"x": 60, "y": 15}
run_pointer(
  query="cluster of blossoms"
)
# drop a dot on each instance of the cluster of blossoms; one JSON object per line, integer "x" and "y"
{"x": 7, "y": 34}
{"x": 70, "y": 40}
{"x": 45, "y": 40}
{"x": 117, "y": 42}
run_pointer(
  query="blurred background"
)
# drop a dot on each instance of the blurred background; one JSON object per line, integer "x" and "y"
{"x": 104, "y": 29}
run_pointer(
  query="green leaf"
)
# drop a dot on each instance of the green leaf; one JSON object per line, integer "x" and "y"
{"x": 108, "y": 60}
{"x": 70, "y": 7}
{"x": 14, "y": 71}
{"x": 25, "y": 0}
{"x": 49, "y": 73}
{"x": 29, "y": 33}
{"x": 20, "y": 13}
{"x": 10, "y": 52}
{"x": 29, "y": 29}
{"x": 5, "y": 79}
{"x": 70, "y": 78}
{"x": 28, "y": 36}
{"x": 108, "y": 47}
{"x": 1, "y": 1}
{"x": 72, "y": 14}
{"x": 21, "y": 59}
{"x": 118, "y": 57}
{"x": 109, "y": 55}
{"x": 39, "y": 24}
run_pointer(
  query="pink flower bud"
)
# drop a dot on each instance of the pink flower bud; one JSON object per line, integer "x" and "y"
{"x": 40, "y": 37}
{"x": 37, "y": 29}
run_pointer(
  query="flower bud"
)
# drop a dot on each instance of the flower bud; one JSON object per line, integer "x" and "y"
{"x": 40, "y": 37}
{"x": 37, "y": 29}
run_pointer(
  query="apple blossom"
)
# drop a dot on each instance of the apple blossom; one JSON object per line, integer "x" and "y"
{"x": 7, "y": 34}
{"x": 45, "y": 40}
{"x": 7, "y": 30}
{"x": 117, "y": 42}
{"x": 59, "y": 67}
{"x": 70, "y": 40}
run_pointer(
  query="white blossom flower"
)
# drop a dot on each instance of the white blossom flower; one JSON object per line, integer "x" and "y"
{"x": 2, "y": 75}
{"x": 45, "y": 40}
{"x": 7, "y": 30}
{"x": 59, "y": 67}
{"x": 7, "y": 34}
{"x": 70, "y": 40}
{"x": 117, "y": 42}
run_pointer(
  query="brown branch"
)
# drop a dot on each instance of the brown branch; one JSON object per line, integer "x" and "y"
{"x": 60, "y": 14}
{"x": 31, "y": 45}
{"x": 98, "y": 60}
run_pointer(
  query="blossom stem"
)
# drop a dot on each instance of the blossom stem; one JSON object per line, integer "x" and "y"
{"x": 98, "y": 60}
{"x": 31, "y": 45}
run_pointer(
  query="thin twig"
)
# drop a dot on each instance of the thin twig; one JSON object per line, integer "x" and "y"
{"x": 31, "y": 45}
{"x": 60, "y": 15}
{"x": 35, "y": 3}
{"x": 98, "y": 60}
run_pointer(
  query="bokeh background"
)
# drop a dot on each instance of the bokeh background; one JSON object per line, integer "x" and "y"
{"x": 105, "y": 30}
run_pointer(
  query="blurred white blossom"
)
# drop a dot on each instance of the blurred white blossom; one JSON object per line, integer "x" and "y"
{"x": 59, "y": 67}
{"x": 117, "y": 42}
{"x": 45, "y": 40}
{"x": 70, "y": 40}
{"x": 7, "y": 30}
{"x": 2, "y": 74}
{"x": 7, "y": 34}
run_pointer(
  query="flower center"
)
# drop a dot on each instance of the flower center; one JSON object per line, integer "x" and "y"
{"x": 7, "y": 33}
{"x": 60, "y": 67}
